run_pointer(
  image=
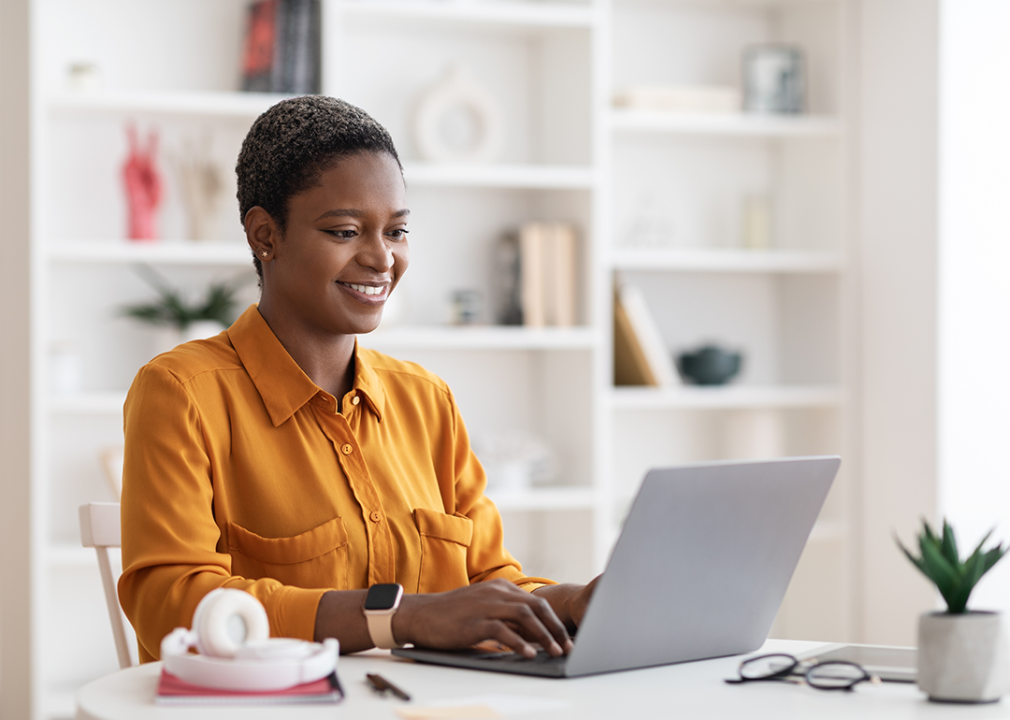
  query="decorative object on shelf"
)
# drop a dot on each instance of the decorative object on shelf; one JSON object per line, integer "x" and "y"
{"x": 112, "y": 465}
{"x": 457, "y": 120}
{"x": 547, "y": 269}
{"x": 507, "y": 281}
{"x": 183, "y": 319}
{"x": 84, "y": 76}
{"x": 640, "y": 354}
{"x": 709, "y": 365}
{"x": 282, "y": 47}
{"x": 515, "y": 460}
{"x": 963, "y": 654}
{"x": 773, "y": 79}
{"x": 757, "y": 222}
{"x": 466, "y": 307}
{"x": 201, "y": 184}
{"x": 680, "y": 98}
{"x": 144, "y": 186}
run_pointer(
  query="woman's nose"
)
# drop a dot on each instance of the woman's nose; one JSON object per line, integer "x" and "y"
{"x": 376, "y": 253}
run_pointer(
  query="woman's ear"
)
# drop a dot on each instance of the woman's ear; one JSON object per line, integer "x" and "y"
{"x": 261, "y": 233}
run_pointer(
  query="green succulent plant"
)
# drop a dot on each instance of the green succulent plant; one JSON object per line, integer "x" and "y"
{"x": 173, "y": 308}
{"x": 940, "y": 562}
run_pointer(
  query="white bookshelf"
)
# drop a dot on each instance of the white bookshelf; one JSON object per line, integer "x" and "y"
{"x": 554, "y": 68}
{"x": 726, "y": 260}
{"x": 729, "y": 124}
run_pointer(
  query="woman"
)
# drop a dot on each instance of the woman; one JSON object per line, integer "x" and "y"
{"x": 281, "y": 458}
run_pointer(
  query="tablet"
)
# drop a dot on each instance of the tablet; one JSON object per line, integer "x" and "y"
{"x": 890, "y": 663}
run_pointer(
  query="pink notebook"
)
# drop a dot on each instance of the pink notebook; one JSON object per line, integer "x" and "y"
{"x": 173, "y": 691}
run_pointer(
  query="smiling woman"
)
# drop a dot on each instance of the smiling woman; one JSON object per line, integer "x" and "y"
{"x": 282, "y": 459}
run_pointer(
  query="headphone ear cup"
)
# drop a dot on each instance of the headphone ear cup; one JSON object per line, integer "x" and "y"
{"x": 226, "y": 619}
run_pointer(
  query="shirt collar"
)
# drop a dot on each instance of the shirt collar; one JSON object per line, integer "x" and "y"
{"x": 282, "y": 384}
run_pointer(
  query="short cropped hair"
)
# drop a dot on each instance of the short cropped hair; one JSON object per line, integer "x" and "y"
{"x": 292, "y": 143}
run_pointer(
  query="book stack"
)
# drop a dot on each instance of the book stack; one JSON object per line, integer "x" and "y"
{"x": 173, "y": 691}
{"x": 282, "y": 47}
{"x": 640, "y": 354}
{"x": 538, "y": 266}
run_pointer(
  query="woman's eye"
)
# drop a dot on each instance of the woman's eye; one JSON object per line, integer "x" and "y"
{"x": 398, "y": 234}
{"x": 343, "y": 234}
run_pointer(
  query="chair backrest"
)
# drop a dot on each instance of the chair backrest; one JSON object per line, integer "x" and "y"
{"x": 100, "y": 530}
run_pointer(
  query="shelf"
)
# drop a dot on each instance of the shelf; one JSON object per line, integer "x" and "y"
{"x": 726, "y": 260}
{"x": 725, "y": 397}
{"x": 540, "y": 177}
{"x": 485, "y": 337}
{"x": 535, "y": 499}
{"x": 738, "y": 124}
{"x": 99, "y": 403}
{"x": 162, "y": 251}
{"x": 222, "y": 104}
{"x": 530, "y": 15}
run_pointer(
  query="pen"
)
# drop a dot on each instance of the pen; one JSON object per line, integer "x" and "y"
{"x": 383, "y": 685}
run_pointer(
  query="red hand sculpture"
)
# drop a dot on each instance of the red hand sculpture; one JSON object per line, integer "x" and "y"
{"x": 143, "y": 186}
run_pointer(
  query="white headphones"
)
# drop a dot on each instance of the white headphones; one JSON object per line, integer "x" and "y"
{"x": 232, "y": 634}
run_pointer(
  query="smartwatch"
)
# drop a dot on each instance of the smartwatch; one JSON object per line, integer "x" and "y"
{"x": 380, "y": 606}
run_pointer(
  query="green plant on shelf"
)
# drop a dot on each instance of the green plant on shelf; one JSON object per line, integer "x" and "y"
{"x": 939, "y": 561}
{"x": 173, "y": 308}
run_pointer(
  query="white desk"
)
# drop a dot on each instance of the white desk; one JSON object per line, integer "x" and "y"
{"x": 686, "y": 691}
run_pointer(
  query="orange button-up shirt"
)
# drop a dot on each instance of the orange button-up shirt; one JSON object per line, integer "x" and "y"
{"x": 240, "y": 472}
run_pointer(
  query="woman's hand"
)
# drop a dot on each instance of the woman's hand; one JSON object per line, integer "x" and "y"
{"x": 569, "y": 601}
{"x": 496, "y": 609}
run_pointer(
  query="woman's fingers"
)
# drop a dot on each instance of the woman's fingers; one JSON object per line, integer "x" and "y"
{"x": 493, "y": 610}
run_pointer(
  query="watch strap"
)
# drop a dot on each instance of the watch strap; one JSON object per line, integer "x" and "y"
{"x": 380, "y": 628}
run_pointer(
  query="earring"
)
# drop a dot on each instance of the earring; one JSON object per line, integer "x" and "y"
{"x": 264, "y": 253}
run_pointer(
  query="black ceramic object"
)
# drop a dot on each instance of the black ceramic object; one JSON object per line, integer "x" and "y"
{"x": 709, "y": 365}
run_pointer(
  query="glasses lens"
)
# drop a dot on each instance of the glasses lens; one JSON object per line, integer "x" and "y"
{"x": 767, "y": 666}
{"x": 835, "y": 675}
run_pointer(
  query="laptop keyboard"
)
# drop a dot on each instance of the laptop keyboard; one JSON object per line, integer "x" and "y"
{"x": 542, "y": 658}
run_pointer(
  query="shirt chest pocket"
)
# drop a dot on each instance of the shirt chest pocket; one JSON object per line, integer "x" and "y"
{"x": 313, "y": 559}
{"x": 445, "y": 540}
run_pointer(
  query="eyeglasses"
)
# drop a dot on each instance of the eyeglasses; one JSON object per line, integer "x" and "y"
{"x": 828, "y": 675}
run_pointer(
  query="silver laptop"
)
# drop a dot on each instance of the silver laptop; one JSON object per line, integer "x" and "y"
{"x": 699, "y": 571}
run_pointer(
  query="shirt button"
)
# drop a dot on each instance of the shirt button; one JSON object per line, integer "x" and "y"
{"x": 355, "y": 400}
{"x": 375, "y": 517}
{"x": 347, "y": 449}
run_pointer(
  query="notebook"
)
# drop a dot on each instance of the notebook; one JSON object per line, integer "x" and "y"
{"x": 699, "y": 571}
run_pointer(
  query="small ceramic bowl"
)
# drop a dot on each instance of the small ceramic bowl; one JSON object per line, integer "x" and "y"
{"x": 709, "y": 365}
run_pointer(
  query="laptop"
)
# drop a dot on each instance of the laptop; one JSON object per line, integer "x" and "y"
{"x": 699, "y": 571}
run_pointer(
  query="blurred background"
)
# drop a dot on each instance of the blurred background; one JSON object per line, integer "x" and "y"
{"x": 644, "y": 232}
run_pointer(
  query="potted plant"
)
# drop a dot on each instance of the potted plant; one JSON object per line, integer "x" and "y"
{"x": 963, "y": 654}
{"x": 186, "y": 318}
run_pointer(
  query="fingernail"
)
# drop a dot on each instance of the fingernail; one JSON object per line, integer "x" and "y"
{"x": 556, "y": 649}
{"x": 530, "y": 651}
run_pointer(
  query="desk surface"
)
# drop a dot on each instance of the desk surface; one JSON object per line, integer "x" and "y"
{"x": 688, "y": 690}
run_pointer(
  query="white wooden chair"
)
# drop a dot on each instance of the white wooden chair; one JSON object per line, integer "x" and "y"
{"x": 100, "y": 530}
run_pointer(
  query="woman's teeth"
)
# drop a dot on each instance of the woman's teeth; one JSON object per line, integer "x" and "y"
{"x": 367, "y": 289}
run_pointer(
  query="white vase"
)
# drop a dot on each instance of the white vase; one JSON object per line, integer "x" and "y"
{"x": 963, "y": 657}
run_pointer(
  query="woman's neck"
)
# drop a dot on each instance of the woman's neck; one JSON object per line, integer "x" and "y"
{"x": 328, "y": 360}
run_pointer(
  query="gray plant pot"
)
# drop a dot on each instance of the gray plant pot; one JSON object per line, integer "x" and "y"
{"x": 963, "y": 657}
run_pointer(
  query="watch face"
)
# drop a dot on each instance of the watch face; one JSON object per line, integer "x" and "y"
{"x": 382, "y": 597}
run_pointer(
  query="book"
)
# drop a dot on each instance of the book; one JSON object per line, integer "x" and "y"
{"x": 640, "y": 355}
{"x": 532, "y": 241}
{"x": 547, "y": 274}
{"x": 282, "y": 51}
{"x": 173, "y": 691}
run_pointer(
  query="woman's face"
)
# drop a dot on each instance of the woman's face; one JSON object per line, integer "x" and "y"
{"x": 344, "y": 248}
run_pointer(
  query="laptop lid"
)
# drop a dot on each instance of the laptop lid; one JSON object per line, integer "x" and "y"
{"x": 702, "y": 564}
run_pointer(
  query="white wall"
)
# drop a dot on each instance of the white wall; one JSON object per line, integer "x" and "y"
{"x": 974, "y": 279}
{"x": 15, "y": 510}
{"x": 897, "y": 199}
